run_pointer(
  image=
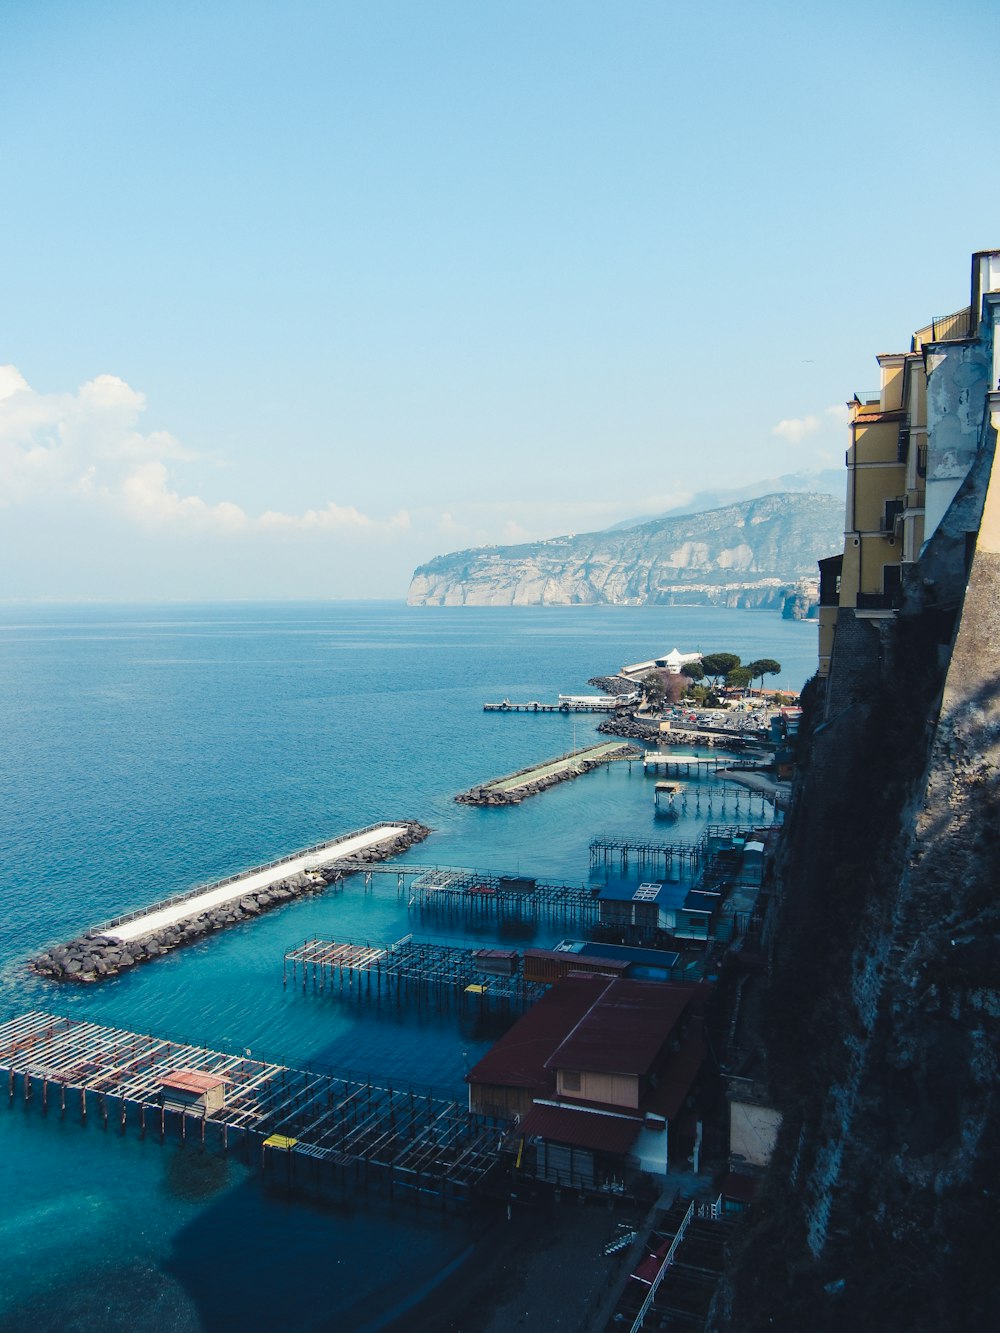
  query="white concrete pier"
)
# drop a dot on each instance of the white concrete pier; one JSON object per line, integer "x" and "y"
{"x": 229, "y": 890}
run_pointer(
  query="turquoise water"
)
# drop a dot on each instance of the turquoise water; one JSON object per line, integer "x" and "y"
{"x": 146, "y": 749}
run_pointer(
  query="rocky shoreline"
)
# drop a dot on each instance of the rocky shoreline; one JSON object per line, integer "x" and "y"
{"x": 94, "y": 956}
{"x": 487, "y": 794}
{"x": 638, "y": 729}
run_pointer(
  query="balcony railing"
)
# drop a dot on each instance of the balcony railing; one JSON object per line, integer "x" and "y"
{"x": 880, "y": 601}
{"x": 942, "y": 328}
{"x": 866, "y": 397}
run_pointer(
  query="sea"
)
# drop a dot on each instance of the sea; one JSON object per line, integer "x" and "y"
{"x": 148, "y": 749}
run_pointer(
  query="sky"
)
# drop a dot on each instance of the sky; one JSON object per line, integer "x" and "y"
{"x": 298, "y": 295}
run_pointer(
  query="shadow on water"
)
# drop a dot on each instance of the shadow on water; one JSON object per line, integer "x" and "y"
{"x": 260, "y": 1258}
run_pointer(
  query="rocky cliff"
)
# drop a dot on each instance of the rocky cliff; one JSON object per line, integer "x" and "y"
{"x": 745, "y": 555}
{"x": 881, "y": 1017}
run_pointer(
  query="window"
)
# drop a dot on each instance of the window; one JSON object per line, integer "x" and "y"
{"x": 571, "y": 1080}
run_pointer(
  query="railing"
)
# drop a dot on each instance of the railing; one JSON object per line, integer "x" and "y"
{"x": 880, "y": 601}
{"x": 239, "y": 874}
{"x": 943, "y": 328}
{"x": 668, "y": 1259}
{"x": 866, "y": 397}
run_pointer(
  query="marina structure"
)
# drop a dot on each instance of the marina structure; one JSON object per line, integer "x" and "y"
{"x": 477, "y": 893}
{"x": 325, "y": 1130}
{"x": 567, "y": 703}
{"x": 412, "y": 971}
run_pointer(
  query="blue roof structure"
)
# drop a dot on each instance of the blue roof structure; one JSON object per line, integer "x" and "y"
{"x": 666, "y": 896}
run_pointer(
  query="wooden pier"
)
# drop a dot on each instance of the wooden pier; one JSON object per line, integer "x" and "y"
{"x": 320, "y": 1129}
{"x": 568, "y": 703}
{"x": 413, "y": 970}
{"x": 693, "y": 766}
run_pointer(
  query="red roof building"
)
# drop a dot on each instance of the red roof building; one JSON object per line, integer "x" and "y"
{"x": 596, "y": 1071}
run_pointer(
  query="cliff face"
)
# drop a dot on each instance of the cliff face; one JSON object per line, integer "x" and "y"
{"x": 883, "y": 1014}
{"x": 743, "y": 555}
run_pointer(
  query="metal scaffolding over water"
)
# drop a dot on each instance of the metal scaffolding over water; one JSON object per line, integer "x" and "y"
{"x": 413, "y": 970}
{"x": 325, "y": 1129}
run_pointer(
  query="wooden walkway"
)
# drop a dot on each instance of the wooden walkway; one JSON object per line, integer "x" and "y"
{"x": 324, "y": 1130}
{"x": 409, "y": 969}
{"x": 694, "y": 766}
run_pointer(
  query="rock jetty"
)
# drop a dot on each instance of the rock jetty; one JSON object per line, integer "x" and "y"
{"x": 97, "y": 955}
{"x": 538, "y": 778}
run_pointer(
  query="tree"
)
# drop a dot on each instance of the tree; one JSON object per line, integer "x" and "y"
{"x": 717, "y": 665}
{"x": 739, "y": 678}
{"x": 655, "y": 689}
{"x": 693, "y": 670}
{"x": 764, "y": 666}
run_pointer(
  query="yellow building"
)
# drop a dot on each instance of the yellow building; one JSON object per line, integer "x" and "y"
{"x": 913, "y": 443}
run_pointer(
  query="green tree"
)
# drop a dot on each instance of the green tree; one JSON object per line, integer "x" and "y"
{"x": 739, "y": 678}
{"x": 717, "y": 665}
{"x": 655, "y": 689}
{"x": 764, "y": 666}
{"x": 693, "y": 670}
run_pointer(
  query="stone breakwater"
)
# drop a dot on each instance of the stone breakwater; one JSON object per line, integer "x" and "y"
{"x": 97, "y": 955}
{"x": 538, "y": 778}
{"x": 639, "y": 730}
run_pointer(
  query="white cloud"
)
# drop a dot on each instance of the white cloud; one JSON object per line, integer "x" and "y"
{"x": 794, "y": 429}
{"x": 839, "y": 413}
{"x": 87, "y": 446}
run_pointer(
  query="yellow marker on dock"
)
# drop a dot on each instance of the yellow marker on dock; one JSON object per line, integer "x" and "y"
{"x": 280, "y": 1141}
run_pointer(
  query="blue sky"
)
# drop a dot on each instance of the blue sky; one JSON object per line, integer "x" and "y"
{"x": 298, "y": 295}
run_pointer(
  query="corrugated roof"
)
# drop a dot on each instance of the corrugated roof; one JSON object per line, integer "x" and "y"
{"x": 578, "y": 960}
{"x": 623, "y": 1030}
{"x": 518, "y": 1059}
{"x": 581, "y": 1128}
{"x": 191, "y": 1080}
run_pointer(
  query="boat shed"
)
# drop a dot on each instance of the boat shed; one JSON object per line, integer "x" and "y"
{"x": 185, "y": 1089}
{"x": 598, "y": 1071}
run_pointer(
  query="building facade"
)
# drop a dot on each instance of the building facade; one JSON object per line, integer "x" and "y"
{"x": 915, "y": 442}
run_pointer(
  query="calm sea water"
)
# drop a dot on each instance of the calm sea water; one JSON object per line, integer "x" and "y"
{"x": 147, "y": 749}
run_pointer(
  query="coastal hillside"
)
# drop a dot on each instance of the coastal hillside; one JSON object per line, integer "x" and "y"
{"x": 750, "y": 554}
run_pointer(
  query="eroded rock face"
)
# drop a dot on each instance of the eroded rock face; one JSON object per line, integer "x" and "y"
{"x": 94, "y": 956}
{"x": 749, "y": 555}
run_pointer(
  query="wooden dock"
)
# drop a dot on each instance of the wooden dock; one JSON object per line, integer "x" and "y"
{"x": 413, "y": 970}
{"x": 694, "y": 766}
{"x": 565, "y": 704}
{"x": 322, "y": 1130}
{"x": 512, "y": 789}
